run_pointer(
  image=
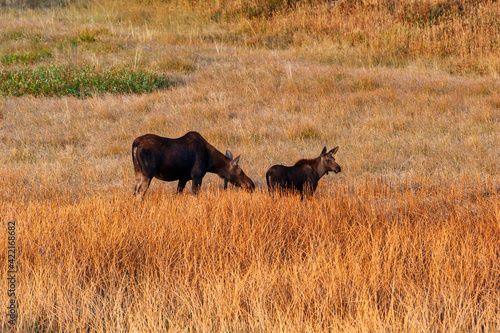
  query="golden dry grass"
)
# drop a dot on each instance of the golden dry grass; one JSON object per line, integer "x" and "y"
{"x": 406, "y": 238}
{"x": 366, "y": 257}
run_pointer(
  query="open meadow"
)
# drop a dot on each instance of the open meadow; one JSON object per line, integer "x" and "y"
{"x": 405, "y": 239}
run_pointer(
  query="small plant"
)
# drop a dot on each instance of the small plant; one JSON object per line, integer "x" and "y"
{"x": 88, "y": 36}
{"x": 78, "y": 81}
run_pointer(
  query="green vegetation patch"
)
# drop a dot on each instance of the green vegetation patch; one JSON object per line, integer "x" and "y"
{"x": 57, "y": 80}
{"x": 25, "y": 57}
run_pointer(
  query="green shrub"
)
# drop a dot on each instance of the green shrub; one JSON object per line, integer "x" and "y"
{"x": 82, "y": 81}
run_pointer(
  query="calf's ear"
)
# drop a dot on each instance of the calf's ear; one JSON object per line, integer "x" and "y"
{"x": 235, "y": 161}
{"x": 229, "y": 155}
{"x": 333, "y": 151}
{"x": 323, "y": 152}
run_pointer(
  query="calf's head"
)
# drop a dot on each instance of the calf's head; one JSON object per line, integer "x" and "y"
{"x": 235, "y": 175}
{"x": 327, "y": 162}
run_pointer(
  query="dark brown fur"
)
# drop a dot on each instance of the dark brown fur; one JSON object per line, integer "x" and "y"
{"x": 186, "y": 158}
{"x": 304, "y": 175}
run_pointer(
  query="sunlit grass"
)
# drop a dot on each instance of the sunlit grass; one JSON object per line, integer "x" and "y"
{"x": 404, "y": 239}
{"x": 373, "y": 255}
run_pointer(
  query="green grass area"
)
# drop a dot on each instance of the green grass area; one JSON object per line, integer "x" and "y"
{"x": 25, "y": 57}
{"x": 60, "y": 80}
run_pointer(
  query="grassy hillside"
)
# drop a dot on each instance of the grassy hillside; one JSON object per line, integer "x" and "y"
{"x": 405, "y": 238}
{"x": 454, "y": 36}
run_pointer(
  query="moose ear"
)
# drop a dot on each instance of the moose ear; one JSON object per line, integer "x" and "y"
{"x": 323, "y": 152}
{"x": 235, "y": 161}
{"x": 333, "y": 151}
{"x": 229, "y": 155}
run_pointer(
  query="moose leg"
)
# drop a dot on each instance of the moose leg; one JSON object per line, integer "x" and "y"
{"x": 197, "y": 174}
{"x": 305, "y": 193}
{"x": 308, "y": 189}
{"x": 141, "y": 181}
{"x": 274, "y": 188}
{"x": 148, "y": 181}
{"x": 137, "y": 187}
{"x": 196, "y": 183}
{"x": 181, "y": 185}
{"x": 270, "y": 184}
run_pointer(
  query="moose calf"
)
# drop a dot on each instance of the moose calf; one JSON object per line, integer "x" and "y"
{"x": 304, "y": 175}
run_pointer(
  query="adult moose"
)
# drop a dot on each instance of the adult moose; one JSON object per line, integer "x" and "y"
{"x": 304, "y": 175}
{"x": 186, "y": 158}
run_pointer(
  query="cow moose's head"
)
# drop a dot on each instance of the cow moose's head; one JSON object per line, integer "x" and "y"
{"x": 327, "y": 161}
{"x": 235, "y": 175}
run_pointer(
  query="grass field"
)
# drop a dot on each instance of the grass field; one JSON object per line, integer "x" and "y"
{"x": 405, "y": 239}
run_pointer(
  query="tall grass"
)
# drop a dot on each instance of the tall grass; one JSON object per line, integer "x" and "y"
{"x": 371, "y": 256}
{"x": 458, "y": 36}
